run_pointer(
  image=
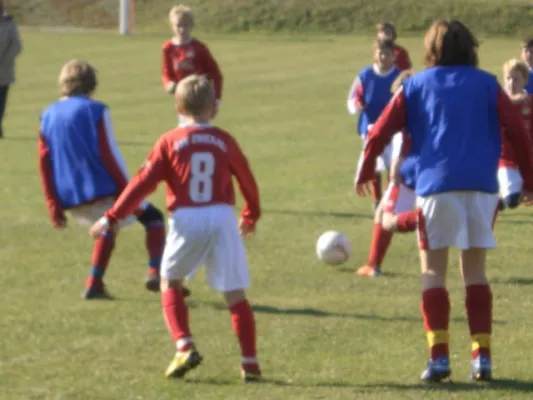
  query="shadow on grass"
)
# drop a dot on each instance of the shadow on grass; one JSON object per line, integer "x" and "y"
{"x": 320, "y": 214}
{"x": 313, "y": 312}
{"x": 513, "y": 280}
{"x": 497, "y": 384}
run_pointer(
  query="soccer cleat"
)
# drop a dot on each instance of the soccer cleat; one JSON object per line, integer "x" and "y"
{"x": 368, "y": 270}
{"x": 183, "y": 362}
{"x": 481, "y": 369}
{"x": 152, "y": 283}
{"x": 251, "y": 373}
{"x": 437, "y": 370}
{"x": 96, "y": 293}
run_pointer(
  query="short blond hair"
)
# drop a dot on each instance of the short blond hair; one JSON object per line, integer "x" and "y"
{"x": 194, "y": 95}
{"x": 178, "y": 12}
{"x": 515, "y": 64}
{"x": 77, "y": 78}
{"x": 398, "y": 82}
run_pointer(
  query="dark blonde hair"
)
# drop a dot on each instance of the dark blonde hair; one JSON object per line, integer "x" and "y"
{"x": 194, "y": 95}
{"x": 77, "y": 78}
{"x": 383, "y": 45}
{"x": 450, "y": 42}
{"x": 387, "y": 26}
{"x": 516, "y": 65}
{"x": 178, "y": 12}
{"x": 527, "y": 43}
{"x": 398, "y": 82}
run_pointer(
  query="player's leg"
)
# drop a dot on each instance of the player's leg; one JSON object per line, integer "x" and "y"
{"x": 400, "y": 213}
{"x": 186, "y": 246}
{"x": 4, "y": 90}
{"x": 381, "y": 239}
{"x": 102, "y": 248}
{"x": 510, "y": 183}
{"x": 442, "y": 225}
{"x": 154, "y": 224}
{"x": 227, "y": 272}
{"x": 478, "y": 301}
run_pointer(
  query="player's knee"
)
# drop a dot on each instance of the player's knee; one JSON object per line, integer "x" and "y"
{"x": 512, "y": 200}
{"x": 234, "y": 297}
{"x": 149, "y": 215}
{"x": 378, "y": 214}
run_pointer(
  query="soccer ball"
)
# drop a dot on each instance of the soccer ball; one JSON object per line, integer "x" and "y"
{"x": 333, "y": 248}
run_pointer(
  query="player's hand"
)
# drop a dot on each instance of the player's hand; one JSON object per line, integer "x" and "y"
{"x": 171, "y": 87}
{"x": 246, "y": 230}
{"x": 60, "y": 221}
{"x": 100, "y": 227}
{"x": 527, "y": 198}
{"x": 363, "y": 189}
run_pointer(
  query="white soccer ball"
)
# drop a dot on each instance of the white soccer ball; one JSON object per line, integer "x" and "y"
{"x": 333, "y": 248}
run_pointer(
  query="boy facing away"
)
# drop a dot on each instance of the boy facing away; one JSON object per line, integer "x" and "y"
{"x": 197, "y": 163}
{"x": 82, "y": 172}
{"x": 183, "y": 55}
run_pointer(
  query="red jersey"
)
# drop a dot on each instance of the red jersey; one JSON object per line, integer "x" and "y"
{"x": 525, "y": 107}
{"x": 403, "y": 61}
{"x": 197, "y": 164}
{"x": 193, "y": 57}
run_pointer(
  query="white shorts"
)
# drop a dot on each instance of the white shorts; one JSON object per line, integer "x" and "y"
{"x": 383, "y": 162}
{"x": 209, "y": 236}
{"x": 510, "y": 181}
{"x": 90, "y": 213}
{"x": 399, "y": 199}
{"x": 457, "y": 219}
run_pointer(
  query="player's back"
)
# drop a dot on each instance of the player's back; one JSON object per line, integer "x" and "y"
{"x": 453, "y": 123}
{"x": 201, "y": 162}
{"x": 71, "y": 129}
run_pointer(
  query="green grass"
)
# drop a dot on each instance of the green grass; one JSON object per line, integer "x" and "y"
{"x": 323, "y": 334}
{"x": 495, "y": 17}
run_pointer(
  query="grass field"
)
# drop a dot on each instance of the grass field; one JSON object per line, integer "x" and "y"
{"x": 323, "y": 334}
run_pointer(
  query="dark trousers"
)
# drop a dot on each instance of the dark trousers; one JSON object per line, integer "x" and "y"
{"x": 3, "y": 101}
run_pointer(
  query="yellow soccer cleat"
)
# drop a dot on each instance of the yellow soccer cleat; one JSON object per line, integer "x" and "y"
{"x": 183, "y": 362}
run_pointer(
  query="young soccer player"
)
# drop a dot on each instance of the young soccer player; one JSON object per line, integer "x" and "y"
{"x": 515, "y": 76}
{"x": 197, "y": 163}
{"x": 387, "y": 31}
{"x": 399, "y": 195}
{"x": 368, "y": 96}
{"x": 452, "y": 112}
{"x": 83, "y": 172}
{"x": 183, "y": 55}
{"x": 527, "y": 57}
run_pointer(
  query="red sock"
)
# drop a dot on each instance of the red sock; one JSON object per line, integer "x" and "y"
{"x": 176, "y": 314}
{"x": 155, "y": 244}
{"x": 376, "y": 188}
{"x": 407, "y": 221}
{"x": 379, "y": 245}
{"x": 242, "y": 319}
{"x": 102, "y": 250}
{"x": 479, "y": 311}
{"x": 436, "y": 313}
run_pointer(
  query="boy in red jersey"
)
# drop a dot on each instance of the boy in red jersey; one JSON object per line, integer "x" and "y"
{"x": 387, "y": 31}
{"x": 197, "y": 164}
{"x": 515, "y": 76}
{"x": 369, "y": 95}
{"x": 184, "y": 55}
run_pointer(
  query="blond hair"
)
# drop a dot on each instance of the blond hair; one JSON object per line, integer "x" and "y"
{"x": 194, "y": 95}
{"x": 398, "y": 82}
{"x": 77, "y": 78}
{"x": 516, "y": 65}
{"x": 178, "y": 12}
